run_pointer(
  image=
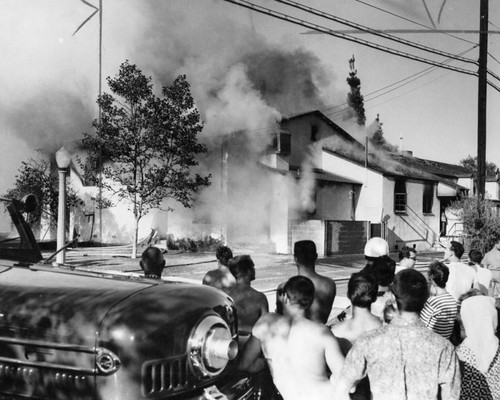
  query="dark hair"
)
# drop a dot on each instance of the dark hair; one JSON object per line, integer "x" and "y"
{"x": 457, "y": 248}
{"x": 241, "y": 266}
{"x": 223, "y": 254}
{"x": 438, "y": 273}
{"x": 300, "y": 291}
{"x": 383, "y": 269}
{"x": 152, "y": 261}
{"x": 470, "y": 293}
{"x": 410, "y": 290}
{"x": 305, "y": 252}
{"x": 475, "y": 256}
{"x": 362, "y": 289}
{"x": 405, "y": 252}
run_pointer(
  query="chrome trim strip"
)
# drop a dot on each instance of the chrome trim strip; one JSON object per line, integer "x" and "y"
{"x": 42, "y": 364}
{"x": 51, "y": 345}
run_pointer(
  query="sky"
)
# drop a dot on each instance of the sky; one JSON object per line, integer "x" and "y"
{"x": 247, "y": 70}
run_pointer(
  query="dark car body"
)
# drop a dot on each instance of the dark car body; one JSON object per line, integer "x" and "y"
{"x": 70, "y": 334}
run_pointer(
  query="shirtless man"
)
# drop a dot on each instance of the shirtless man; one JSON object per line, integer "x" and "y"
{"x": 221, "y": 278}
{"x": 325, "y": 288}
{"x": 298, "y": 351}
{"x": 251, "y": 304}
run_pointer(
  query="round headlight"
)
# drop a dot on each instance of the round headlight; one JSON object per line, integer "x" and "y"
{"x": 211, "y": 346}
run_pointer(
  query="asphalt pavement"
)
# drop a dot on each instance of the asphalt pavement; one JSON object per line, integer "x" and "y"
{"x": 271, "y": 269}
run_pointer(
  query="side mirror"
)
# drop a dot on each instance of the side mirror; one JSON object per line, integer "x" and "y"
{"x": 29, "y": 203}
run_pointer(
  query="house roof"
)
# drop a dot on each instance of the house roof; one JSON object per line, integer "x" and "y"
{"x": 318, "y": 174}
{"x": 392, "y": 164}
{"x": 433, "y": 167}
{"x": 329, "y": 122}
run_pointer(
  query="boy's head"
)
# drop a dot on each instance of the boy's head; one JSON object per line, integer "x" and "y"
{"x": 242, "y": 267}
{"x": 300, "y": 291}
{"x": 305, "y": 253}
{"x": 382, "y": 269}
{"x": 438, "y": 273}
{"x": 362, "y": 289}
{"x": 475, "y": 256}
{"x": 223, "y": 255}
{"x": 410, "y": 290}
{"x": 457, "y": 248}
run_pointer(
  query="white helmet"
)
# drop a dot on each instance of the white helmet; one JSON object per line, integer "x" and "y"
{"x": 376, "y": 247}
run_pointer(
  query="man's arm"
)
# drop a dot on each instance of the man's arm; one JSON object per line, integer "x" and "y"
{"x": 353, "y": 370}
{"x": 333, "y": 355}
{"x": 264, "y": 305}
{"x": 250, "y": 360}
{"x": 427, "y": 315}
{"x": 449, "y": 374}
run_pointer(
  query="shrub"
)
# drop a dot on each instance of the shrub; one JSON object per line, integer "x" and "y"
{"x": 480, "y": 221}
{"x": 205, "y": 244}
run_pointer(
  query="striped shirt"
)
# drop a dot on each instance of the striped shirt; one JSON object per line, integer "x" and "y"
{"x": 439, "y": 314}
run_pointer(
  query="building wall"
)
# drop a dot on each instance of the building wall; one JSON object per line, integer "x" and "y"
{"x": 345, "y": 237}
{"x": 370, "y": 201}
{"x": 492, "y": 190}
{"x": 333, "y": 201}
{"x": 412, "y": 227}
{"x": 279, "y": 215}
{"x": 307, "y": 230}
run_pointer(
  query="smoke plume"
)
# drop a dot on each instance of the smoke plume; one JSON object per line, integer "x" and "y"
{"x": 243, "y": 84}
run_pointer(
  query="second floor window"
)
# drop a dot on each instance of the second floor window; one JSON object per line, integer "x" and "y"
{"x": 400, "y": 196}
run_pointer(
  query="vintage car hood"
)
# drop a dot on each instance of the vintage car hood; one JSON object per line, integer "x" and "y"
{"x": 58, "y": 307}
{"x": 84, "y": 309}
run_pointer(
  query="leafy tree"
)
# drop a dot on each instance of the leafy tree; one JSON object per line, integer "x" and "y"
{"x": 35, "y": 177}
{"x": 480, "y": 222}
{"x": 471, "y": 163}
{"x": 148, "y": 144}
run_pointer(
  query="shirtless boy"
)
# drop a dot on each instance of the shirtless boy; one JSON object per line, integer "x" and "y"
{"x": 251, "y": 304}
{"x": 299, "y": 352}
{"x": 325, "y": 288}
{"x": 221, "y": 278}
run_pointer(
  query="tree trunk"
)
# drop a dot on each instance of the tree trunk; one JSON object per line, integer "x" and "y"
{"x": 134, "y": 243}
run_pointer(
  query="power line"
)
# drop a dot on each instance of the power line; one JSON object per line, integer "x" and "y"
{"x": 366, "y": 29}
{"x": 425, "y": 31}
{"x": 491, "y": 23}
{"x": 412, "y": 21}
{"x": 297, "y": 21}
{"x": 319, "y": 28}
{"x": 429, "y": 29}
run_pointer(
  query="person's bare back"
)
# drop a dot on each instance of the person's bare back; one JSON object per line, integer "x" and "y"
{"x": 325, "y": 288}
{"x": 324, "y": 295}
{"x": 299, "y": 352}
{"x": 219, "y": 278}
{"x": 251, "y": 305}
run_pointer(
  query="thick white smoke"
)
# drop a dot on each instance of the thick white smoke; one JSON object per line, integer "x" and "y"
{"x": 241, "y": 81}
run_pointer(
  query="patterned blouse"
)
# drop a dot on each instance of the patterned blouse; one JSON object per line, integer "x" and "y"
{"x": 404, "y": 360}
{"x": 475, "y": 384}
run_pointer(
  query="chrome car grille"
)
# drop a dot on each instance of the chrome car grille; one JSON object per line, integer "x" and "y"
{"x": 166, "y": 375}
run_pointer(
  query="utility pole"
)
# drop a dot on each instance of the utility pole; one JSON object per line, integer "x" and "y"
{"x": 482, "y": 90}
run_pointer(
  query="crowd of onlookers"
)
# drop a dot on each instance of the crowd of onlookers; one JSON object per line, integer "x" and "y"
{"x": 405, "y": 335}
